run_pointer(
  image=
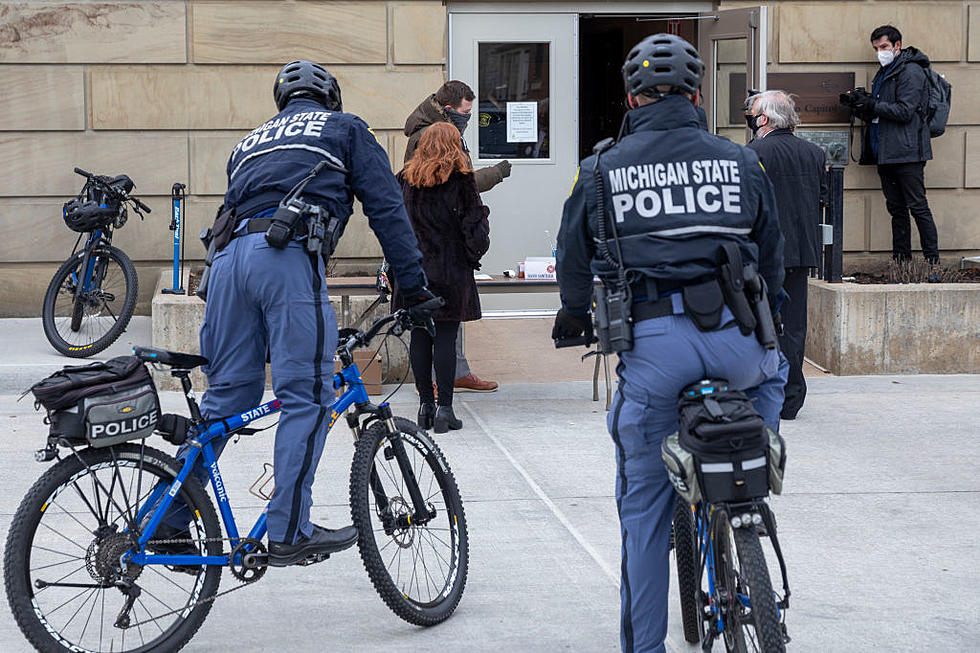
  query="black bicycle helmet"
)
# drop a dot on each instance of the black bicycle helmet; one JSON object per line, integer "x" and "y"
{"x": 662, "y": 60}
{"x": 309, "y": 78}
{"x": 86, "y": 215}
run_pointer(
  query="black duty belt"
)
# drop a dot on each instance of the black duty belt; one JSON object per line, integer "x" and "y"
{"x": 649, "y": 310}
{"x": 261, "y": 225}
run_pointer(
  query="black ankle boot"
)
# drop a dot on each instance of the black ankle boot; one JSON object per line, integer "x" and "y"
{"x": 446, "y": 420}
{"x": 427, "y": 410}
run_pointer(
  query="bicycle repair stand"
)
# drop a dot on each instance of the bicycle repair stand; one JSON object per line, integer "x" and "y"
{"x": 178, "y": 196}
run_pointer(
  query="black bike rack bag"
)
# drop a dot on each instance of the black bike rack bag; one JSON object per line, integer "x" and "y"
{"x": 729, "y": 443}
{"x": 101, "y": 403}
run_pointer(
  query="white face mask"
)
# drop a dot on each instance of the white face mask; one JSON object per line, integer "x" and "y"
{"x": 885, "y": 57}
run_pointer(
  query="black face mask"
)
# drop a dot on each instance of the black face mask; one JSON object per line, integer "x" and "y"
{"x": 458, "y": 119}
{"x": 753, "y": 122}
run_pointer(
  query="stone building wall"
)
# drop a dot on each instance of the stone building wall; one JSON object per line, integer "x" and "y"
{"x": 162, "y": 91}
{"x": 834, "y": 36}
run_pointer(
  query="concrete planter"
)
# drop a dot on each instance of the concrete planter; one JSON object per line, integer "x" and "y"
{"x": 894, "y": 329}
{"x": 177, "y": 319}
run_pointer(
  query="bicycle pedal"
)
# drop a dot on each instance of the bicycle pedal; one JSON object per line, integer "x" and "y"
{"x": 313, "y": 559}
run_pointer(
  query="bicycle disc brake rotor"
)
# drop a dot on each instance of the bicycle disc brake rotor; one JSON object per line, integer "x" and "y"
{"x": 400, "y": 512}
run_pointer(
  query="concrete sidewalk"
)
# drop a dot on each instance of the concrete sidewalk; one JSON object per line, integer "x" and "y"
{"x": 26, "y": 356}
{"x": 880, "y": 523}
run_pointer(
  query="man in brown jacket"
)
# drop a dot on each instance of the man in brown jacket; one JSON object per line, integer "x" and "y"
{"x": 453, "y": 103}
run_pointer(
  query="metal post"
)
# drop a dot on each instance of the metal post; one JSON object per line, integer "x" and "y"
{"x": 833, "y": 260}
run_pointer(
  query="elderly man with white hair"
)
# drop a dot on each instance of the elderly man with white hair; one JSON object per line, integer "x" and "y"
{"x": 796, "y": 168}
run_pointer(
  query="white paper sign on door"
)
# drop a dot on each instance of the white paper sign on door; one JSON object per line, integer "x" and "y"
{"x": 522, "y": 122}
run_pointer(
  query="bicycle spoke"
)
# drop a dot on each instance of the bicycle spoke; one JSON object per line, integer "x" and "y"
{"x": 65, "y": 538}
{"x": 51, "y": 612}
{"x": 154, "y": 569}
{"x": 34, "y": 546}
{"x": 83, "y": 604}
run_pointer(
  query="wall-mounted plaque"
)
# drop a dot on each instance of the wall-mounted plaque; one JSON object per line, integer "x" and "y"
{"x": 816, "y": 95}
{"x": 832, "y": 142}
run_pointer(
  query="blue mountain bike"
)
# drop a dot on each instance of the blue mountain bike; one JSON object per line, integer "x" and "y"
{"x": 82, "y": 571}
{"x": 723, "y": 578}
{"x": 92, "y": 296}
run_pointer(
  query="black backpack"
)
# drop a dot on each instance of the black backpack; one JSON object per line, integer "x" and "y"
{"x": 940, "y": 96}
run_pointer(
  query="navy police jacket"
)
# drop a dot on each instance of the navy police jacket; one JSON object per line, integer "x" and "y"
{"x": 276, "y": 155}
{"x": 676, "y": 193}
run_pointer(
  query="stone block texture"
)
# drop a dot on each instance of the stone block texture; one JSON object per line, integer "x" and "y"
{"x": 162, "y": 90}
{"x": 833, "y": 36}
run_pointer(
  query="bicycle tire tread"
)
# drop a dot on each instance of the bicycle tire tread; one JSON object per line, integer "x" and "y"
{"x": 367, "y": 446}
{"x": 753, "y": 568}
{"x": 686, "y": 559}
{"x": 121, "y": 324}
{"x": 15, "y": 550}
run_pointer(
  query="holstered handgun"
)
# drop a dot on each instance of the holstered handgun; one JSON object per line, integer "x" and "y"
{"x": 755, "y": 286}
{"x": 207, "y": 237}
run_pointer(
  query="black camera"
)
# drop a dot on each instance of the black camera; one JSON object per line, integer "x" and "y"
{"x": 854, "y": 97}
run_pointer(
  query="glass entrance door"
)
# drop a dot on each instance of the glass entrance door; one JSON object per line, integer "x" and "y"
{"x": 732, "y": 44}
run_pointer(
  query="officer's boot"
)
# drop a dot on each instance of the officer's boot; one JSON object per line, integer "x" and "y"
{"x": 446, "y": 420}
{"x": 427, "y": 411}
{"x": 322, "y": 540}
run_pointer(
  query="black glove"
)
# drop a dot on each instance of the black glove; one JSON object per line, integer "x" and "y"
{"x": 504, "y": 168}
{"x": 417, "y": 296}
{"x": 571, "y": 326}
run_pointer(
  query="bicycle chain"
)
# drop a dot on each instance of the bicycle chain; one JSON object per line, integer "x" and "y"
{"x": 202, "y": 601}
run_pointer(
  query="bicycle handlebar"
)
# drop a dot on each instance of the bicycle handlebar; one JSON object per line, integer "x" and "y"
{"x": 107, "y": 186}
{"x": 403, "y": 317}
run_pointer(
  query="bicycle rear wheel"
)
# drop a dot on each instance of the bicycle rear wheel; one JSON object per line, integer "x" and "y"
{"x": 85, "y": 325}
{"x": 742, "y": 577}
{"x": 688, "y": 567}
{"x": 62, "y": 560}
{"x": 418, "y": 568}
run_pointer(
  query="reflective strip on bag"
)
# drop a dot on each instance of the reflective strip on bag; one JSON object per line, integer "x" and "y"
{"x": 755, "y": 463}
{"x": 716, "y": 468}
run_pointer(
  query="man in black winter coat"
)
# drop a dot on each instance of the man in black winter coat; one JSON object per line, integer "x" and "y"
{"x": 897, "y": 140}
{"x": 796, "y": 168}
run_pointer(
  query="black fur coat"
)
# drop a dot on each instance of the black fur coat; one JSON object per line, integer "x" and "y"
{"x": 451, "y": 225}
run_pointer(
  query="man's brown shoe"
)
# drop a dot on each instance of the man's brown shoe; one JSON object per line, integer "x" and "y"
{"x": 472, "y": 383}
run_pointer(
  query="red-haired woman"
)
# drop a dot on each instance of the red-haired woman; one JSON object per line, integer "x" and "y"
{"x": 453, "y": 232}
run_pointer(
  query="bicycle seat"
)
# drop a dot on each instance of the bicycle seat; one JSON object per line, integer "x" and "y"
{"x": 171, "y": 358}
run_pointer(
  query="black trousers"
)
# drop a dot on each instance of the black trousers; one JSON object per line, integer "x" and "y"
{"x": 905, "y": 192}
{"x": 426, "y": 353}
{"x": 793, "y": 339}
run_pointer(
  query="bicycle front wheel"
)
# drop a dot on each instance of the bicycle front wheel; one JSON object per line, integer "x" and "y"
{"x": 418, "y": 567}
{"x": 81, "y": 324}
{"x": 62, "y": 567}
{"x": 742, "y": 577}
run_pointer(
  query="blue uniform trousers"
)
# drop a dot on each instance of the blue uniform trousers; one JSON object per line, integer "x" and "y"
{"x": 668, "y": 354}
{"x": 262, "y": 299}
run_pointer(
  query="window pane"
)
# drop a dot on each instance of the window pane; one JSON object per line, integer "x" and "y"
{"x": 513, "y": 108}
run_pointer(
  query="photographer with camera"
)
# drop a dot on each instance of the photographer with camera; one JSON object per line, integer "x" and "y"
{"x": 896, "y": 138}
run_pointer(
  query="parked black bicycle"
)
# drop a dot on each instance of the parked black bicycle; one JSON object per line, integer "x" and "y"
{"x": 92, "y": 296}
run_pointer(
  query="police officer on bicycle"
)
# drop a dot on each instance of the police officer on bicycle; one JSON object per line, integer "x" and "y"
{"x": 267, "y": 293}
{"x": 675, "y": 222}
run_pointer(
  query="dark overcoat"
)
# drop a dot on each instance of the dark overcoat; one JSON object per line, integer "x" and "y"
{"x": 796, "y": 168}
{"x": 453, "y": 232}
